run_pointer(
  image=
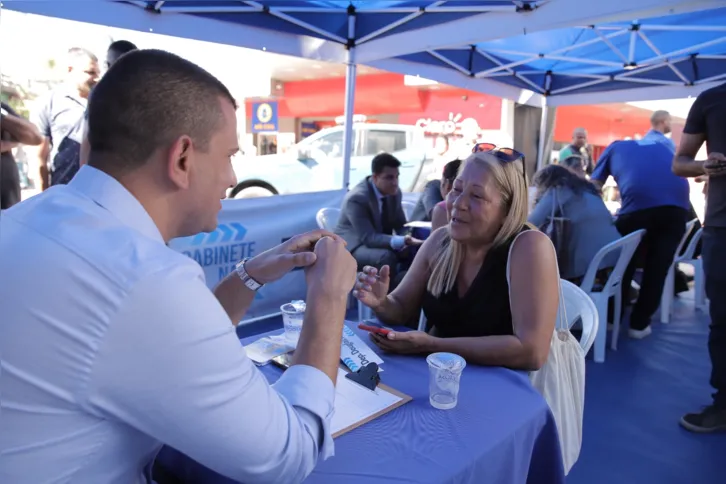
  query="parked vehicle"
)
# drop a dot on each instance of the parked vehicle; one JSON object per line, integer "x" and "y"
{"x": 316, "y": 163}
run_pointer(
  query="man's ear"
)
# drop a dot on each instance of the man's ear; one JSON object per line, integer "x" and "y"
{"x": 179, "y": 161}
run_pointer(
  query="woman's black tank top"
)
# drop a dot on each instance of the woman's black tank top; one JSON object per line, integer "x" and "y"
{"x": 484, "y": 309}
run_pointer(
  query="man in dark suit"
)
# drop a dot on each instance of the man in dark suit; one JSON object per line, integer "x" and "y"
{"x": 370, "y": 215}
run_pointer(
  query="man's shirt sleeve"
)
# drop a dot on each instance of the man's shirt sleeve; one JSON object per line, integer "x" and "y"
{"x": 170, "y": 365}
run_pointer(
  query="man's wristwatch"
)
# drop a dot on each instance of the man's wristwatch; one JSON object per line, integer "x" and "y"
{"x": 248, "y": 281}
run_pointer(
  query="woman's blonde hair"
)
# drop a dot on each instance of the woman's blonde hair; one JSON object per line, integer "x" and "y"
{"x": 509, "y": 180}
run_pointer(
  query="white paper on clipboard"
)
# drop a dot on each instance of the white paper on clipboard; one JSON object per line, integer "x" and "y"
{"x": 354, "y": 404}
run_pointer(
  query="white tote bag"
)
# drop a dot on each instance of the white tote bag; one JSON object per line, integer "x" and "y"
{"x": 561, "y": 381}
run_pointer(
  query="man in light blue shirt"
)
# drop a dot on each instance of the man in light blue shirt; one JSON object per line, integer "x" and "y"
{"x": 111, "y": 343}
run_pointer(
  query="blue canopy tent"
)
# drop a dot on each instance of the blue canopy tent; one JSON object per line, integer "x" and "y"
{"x": 673, "y": 56}
{"x": 538, "y": 52}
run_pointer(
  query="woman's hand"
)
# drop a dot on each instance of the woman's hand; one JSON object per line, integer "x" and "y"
{"x": 404, "y": 343}
{"x": 371, "y": 287}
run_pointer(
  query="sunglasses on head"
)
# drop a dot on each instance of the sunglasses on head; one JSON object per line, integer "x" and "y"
{"x": 505, "y": 155}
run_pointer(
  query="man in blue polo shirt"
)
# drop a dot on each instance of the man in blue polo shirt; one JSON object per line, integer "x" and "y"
{"x": 654, "y": 199}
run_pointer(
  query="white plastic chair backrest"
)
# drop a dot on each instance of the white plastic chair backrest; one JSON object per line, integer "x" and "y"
{"x": 689, "y": 228}
{"x": 327, "y": 218}
{"x": 627, "y": 246}
{"x": 691, "y": 249}
{"x": 579, "y": 304}
{"x": 408, "y": 208}
{"x": 422, "y": 321}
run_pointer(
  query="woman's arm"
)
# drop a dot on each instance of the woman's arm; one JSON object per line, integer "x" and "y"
{"x": 439, "y": 217}
{"x": 405, "y": 301}
{"x": 534, "y": 297}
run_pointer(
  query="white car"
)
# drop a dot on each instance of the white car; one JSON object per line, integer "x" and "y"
{"x": 316, "y": 163}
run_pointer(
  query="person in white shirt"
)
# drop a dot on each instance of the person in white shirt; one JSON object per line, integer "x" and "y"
{"x": 111, "y": 343}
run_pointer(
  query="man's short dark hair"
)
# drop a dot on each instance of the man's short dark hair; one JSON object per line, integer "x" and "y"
{"x": 121, "y": 47}
{"x": 146, "y": 100}
{"x": 382, "y": 161}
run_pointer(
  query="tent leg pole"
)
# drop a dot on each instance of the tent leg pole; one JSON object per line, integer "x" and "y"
{"x": 348, "y": 133}
{"x": 542, "y": 138}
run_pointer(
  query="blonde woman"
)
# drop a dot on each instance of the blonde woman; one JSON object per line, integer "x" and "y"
{"x": 459, "y": 276}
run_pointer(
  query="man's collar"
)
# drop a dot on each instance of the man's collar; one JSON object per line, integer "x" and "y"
{"x": 70, "y": 91}
{"x": 378, "y": 194}
{"x": 107, "y": 192}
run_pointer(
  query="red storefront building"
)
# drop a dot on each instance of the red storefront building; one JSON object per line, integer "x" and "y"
{"x": 438, "y": 109}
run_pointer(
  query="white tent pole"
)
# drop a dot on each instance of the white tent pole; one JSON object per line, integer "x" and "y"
{"x": 542, "y": 137}
{"x": 350, "y": 78}
{"x": 350, "y": 74}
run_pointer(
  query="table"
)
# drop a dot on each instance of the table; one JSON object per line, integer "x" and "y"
{"x": 501, "y": 432}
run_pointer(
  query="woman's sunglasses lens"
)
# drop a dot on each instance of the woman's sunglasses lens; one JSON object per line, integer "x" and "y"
{"x": 479, "y": 147}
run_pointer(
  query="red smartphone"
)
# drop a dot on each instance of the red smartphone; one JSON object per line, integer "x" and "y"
{"x": 374, "y": 329}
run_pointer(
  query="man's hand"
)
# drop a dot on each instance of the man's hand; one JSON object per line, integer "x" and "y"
{"x": 274, "y": 263}
{"x": 334, "y": 271}
{"x": 715, "y": 165}
{"x": 412, "y": 242}
{"x": 329, "y": 281}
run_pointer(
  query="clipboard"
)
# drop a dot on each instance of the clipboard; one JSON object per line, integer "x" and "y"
{"x": 356, "y": 405}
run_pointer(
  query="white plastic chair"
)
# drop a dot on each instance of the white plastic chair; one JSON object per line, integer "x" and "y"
{"x": 579, "y": 305}
{"x": 666, "y": 299}
{"x": 408, "y": 208}
{"x": 422, "y": 322}
{"x": 364, "y": 312}
{"x": 627, "y": 246}
{"x": 327, "y": 218}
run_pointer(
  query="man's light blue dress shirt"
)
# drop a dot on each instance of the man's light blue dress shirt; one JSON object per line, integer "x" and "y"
{"x": 111, "y": 345}
{"x": 397, "y": 241}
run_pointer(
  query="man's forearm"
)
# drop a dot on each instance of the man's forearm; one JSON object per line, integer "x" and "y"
{"x": 234, "y": 297}
{"x": 22, "y": 130}
{"x": 322, "y": 332}
{"x": 43, "y": 174}
{"x": 7, "y": 146}
{"x": 687, "y": 167}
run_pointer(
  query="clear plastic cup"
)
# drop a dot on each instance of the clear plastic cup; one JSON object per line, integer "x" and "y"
{"x": 292, "y": 319}
{"x": 444, "y": 376}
